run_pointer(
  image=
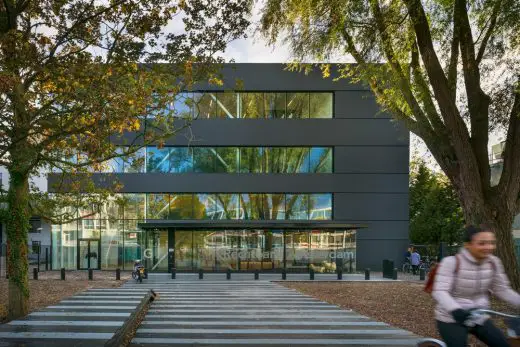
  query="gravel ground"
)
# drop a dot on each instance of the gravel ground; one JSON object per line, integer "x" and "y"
{"x": 49, "y": 289}
{"x": 401, "y": 304}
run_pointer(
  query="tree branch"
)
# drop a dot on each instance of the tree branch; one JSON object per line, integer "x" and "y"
{"x": 509, "y": 182}
{"x": 489, "y": 31}
{"x": 478, "y": 101}
{"x": 454, "y": 57}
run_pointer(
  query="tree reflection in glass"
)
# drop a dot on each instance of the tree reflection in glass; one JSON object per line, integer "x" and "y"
{"x": 297, "y": 206}
{"x": 227, "y": 105}
{"x": 297, "y": 159}
{"x": 227, "y": 159}
{"x": 320, "y": 160}
{"x": 251, "y": 105}
{"x": 251, "y": 159}
{"x": 205, "y": 105}
{"x": 298, "y": 105}
{"x": 274, "y": 105}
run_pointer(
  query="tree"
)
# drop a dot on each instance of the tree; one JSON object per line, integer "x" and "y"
{"x": 435, "y": 212}
{"x": 449, "y": 70}
{"x": 76, "y": 74}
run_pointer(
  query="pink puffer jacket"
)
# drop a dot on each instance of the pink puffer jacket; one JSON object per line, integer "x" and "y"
{"x": 469, "y": 287}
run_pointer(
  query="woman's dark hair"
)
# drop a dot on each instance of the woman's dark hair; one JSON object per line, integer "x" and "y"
{"x": 470, "y": 231}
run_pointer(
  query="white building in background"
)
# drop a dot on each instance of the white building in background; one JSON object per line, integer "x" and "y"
{"x": 496, "y": 163}
{"x": 40, "y": 232}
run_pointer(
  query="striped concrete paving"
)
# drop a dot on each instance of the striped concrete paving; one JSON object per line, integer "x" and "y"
{"x": 254, "y": 313}
{"x": 89, "y": 318}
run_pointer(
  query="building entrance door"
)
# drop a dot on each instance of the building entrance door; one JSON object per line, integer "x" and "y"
{"x": 155, "y": 254}
{"x": 89, "y": 251}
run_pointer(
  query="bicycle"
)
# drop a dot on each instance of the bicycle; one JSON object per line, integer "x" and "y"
{"x": 407, "y": 267}
{"x": 512, "y": 322}
{"x": 139, "y": 271}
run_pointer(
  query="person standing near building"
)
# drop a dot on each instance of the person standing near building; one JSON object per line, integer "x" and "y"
{"x": 415, "y": 259}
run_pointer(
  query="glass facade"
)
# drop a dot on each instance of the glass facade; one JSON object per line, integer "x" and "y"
{"x": 252, "y": 105}
{"x": 109, "y": 237}
{"x": 279, "y": 160}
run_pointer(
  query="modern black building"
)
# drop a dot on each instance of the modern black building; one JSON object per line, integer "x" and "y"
{"x": 291, "y": 171}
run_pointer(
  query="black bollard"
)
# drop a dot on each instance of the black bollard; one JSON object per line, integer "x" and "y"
{"x": 311, "y": 274}
{"x": 35, "y": 273}
{"x": 174, "y": 273}
{"x": 228, "y": 274}
{"x": 350, "y": 261}
{"x": 367, "y": 274}
{"x": 39, "y": 251}
{"x": 201, "y": 274}
{"x": 118, "y": 274}
{"x": 284, "y": 274}
{"x": 90, "y": 274}
{"x": 422, "y": 274}
{"x": 46, "y": 259}
{"x": 257, "y": 274}
{"x": 394, "y": 275}
{"x": 63, "y": 274}
{"x": 340, "y": 274}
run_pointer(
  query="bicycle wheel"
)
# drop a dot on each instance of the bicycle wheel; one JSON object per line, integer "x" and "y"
{"x": 406, "y": 268}
{"x": 134, "y": 275}
{"x": 431, "y": 343}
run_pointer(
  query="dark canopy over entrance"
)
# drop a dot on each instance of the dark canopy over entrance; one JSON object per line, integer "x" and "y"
{"x": 217, "y": 245}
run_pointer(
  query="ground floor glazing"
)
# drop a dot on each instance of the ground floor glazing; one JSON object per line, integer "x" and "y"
{"x": 160, "y": 250}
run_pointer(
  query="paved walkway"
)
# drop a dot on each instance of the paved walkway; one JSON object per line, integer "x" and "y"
{"x": 88, "y": 319}
{"x": 245, "y": 312}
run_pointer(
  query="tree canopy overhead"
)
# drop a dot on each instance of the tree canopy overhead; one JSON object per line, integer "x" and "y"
{"x": 448, "y": 69}
{"x": 76, "y": 73}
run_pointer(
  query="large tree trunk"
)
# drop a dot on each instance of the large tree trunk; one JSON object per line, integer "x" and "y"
{"x": 17, "y": 229}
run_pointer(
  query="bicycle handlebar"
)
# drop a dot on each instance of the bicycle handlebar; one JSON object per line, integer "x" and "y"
{"x": 496, "y": 313}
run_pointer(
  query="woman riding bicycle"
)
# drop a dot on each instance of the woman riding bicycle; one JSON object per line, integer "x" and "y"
{"x": 463, "y": 282}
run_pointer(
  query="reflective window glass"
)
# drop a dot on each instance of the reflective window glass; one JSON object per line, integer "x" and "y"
{"x": 297, "y": 160}
{"x": 133, "y": 205}
{"x": 251, "y": 159}
{"x": 252, "y": 105}
{"x": 252, "y": 206}
{"x": 320, "y": 159}
{"x": 320, "y": 206}
{"x": 297, "y": 206}
{"x": 183, "y": 250}
{"x": 157, "y": 159}
{"x": 111, "y": 244}
{"x": 181, "y": 159}
{"x": 112, "y": 207}
{"x": 181, "y": 206}
{"x": 115, "y": 164}
{"x": 182, "y": 106}
{"x": 205, "y": 105}
{"x": 297, "y": 105}
{"x": 274, "y": 160}
{"x": 135, "y": 162}
{"x": 133, "y": 247}
{"x": 297, "y": 250}
{"x": 227, "y": 105}
{"x": 204, "y": 206}
{"x": 321, "y": 105}
{"x": 274, "y": 105}
{"x": 158, "y": 206}
{"x": 204, "y": 159}
{"x": 226, "y": 159}
{"x": 227, "y": 206}
{"x": 204, "y": 250}
{"x": 275, "y": 206}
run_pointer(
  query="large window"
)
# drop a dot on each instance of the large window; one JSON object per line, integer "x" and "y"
{"x": 279, "y": 160}
{"x": 251, "y": 105}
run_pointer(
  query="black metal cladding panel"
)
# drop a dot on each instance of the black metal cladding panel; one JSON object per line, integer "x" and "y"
{"x": 371, "y": 206}
{"x": 383, "y": 230}
{"x": 357, "y": 104}
{"x": 289, "y": 132}
{"x": 371, "y": 159}
{"x": 250, "y": 183}
{"x": 275, "y": 77}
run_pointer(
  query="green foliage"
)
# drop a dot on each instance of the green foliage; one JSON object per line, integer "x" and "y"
{"x": 76, "y": 76}
{"x": 435, "y": 212}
